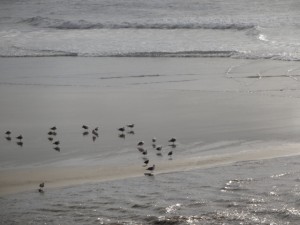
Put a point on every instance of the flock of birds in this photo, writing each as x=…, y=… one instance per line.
x=52, y=133
x=140, y=147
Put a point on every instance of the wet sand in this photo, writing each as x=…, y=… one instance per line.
x=220, y=110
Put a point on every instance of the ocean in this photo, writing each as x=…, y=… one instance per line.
x=222, y=77
x=170, y=28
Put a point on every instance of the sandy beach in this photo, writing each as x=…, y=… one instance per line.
x=220, y=110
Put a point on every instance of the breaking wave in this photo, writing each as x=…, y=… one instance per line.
x=180, y=54
x=45, y=22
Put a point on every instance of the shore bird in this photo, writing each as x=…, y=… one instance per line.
x=130, y=125
x=140, y=143
x=153, y=140
x=122, y=129
x=94, y=132
x=53, y=128
x=85, y=127
x=151, y=168
x=145, y=152
x=57, y=149
x=158, y=148
x=172, y=140
x=146, y=162
x=20, y=137
x=20, y=143
x=42, y=184
x=170, y=153
x=8, y=132
x=56, y=142
x=8, y=138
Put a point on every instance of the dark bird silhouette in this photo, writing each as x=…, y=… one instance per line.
x=170, y=153
x=85, y=133
x=131, y=132
x=20, y=143
x=56, y=142
x=130, y=125
x=94, y=138
x=57, y=149
x=8, y=138
x=41, y=190
x=145, y=152
x=141, y=143
x=172, y=140
x=50, y=133
x=94, y=132
x=8, y=132
x=140, y=149
x=151, y=168
x=96, y=129
x=20, y=137
x=122, y=136
x=53, y=128
x=146, y=162
x=154, y=140
x=42, y=185
x=122, y=129
x=50, y=138
x=85, y=127
x=158, y=148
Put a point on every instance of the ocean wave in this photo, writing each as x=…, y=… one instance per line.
x=154, y=54
x=84, y=25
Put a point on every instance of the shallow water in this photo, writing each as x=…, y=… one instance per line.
x=248, y=192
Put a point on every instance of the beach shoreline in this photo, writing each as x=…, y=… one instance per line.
x=213, y=111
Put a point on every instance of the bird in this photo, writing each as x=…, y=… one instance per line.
x=57, y=149
x=8, y=132
x=8, y=138
x=145, y=152
x=146, y=162
x=170, y=153
x=158, y=148
x=140, y=143
x=20, y=143
x=42, y=184
x=94, y=138
x=20, y=137
x=172, y=140
x=94, y=132
x=151, y=168
x=122, y=129
x=130, y=125
x=130, y=132
x=96, y=129
x=122, y=135
x=85, y=133
x=50, y=133
x=50, y=138
x=140, y=149
x=85, y=127
x=56, y=142
x=154, y=140
x=53, y=128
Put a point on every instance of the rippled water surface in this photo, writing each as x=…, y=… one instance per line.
x=249, y=192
